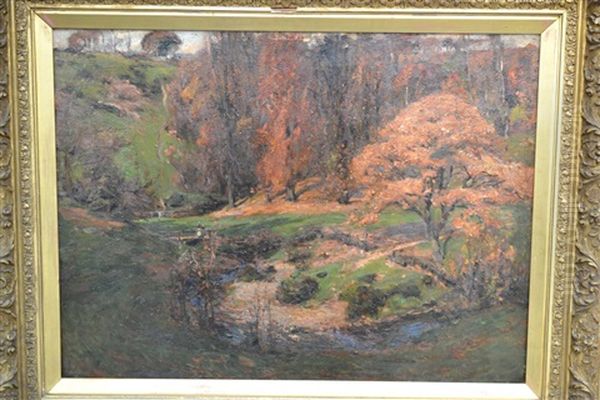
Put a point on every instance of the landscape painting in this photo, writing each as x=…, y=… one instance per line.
x=280, y=205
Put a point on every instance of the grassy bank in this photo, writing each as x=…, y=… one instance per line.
x=281, y=224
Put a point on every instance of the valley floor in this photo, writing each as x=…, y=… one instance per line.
x=117, y=308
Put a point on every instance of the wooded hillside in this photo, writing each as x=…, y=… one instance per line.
x=257, y=112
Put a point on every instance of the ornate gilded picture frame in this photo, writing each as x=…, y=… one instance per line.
x=51, y=213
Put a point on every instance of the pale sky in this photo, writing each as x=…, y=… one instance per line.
x=192, y=41
x=195, y=40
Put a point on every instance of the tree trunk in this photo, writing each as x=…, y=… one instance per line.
x=438, y=251
x=344, y=197
x=290, y=192
x=502, y=119
x=230, y=194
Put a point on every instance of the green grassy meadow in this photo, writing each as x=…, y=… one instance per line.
x=285, y=225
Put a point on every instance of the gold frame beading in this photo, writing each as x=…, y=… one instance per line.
x=570, y=352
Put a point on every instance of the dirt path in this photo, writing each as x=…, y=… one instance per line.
x=84, y=218
x=384, y=252
x=246, y=299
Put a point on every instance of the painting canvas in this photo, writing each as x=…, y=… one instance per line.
x=279, y=205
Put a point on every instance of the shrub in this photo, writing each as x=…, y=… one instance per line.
x=292, y=291
x=363, y=301
x=300, y=258
x=369, y=278
x=247, y=249
x=410, y=290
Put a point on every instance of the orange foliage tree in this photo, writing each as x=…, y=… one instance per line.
x=287, y=139
x=442, y=160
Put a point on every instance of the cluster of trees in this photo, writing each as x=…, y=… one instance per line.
x=270, y=110
x=154, y=43
x=265, y=111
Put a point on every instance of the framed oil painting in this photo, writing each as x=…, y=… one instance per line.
x=276, y=200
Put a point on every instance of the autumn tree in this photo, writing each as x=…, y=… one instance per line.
x=212, y=103
x=369, y=89
x=421, y=66
x=161, y=43
x=521, y=66
x=458, y=80
x=488, y=265
x=483, y=69
x=287, y=141
x=84, y=40
x=442, y=160
x=500, y=121
x=494, y=100
x=334, y=69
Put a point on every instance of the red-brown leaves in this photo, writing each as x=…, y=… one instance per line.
x=285, y=138
x=440, y=152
